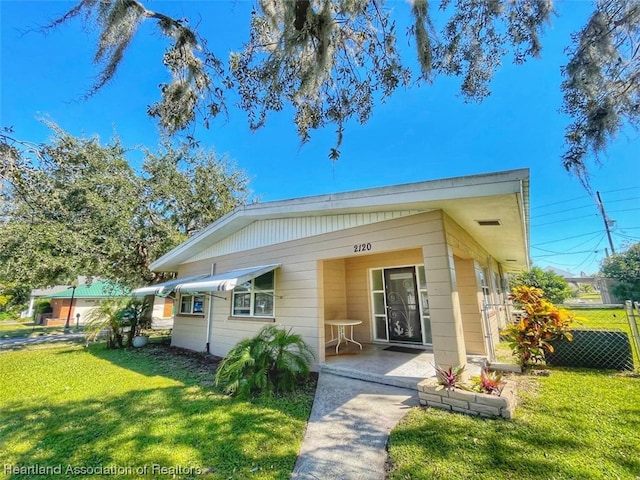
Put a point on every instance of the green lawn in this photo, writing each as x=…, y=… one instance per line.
x=605, y=318
x=572, y=425
x=143, y=410
x=13, y=330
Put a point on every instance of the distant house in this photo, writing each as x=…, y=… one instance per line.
x=415, y=264
x=85, y=297
x=38, y=293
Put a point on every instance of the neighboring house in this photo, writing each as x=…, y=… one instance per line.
x=76, y=303
x=37, y=293
x=416, y=263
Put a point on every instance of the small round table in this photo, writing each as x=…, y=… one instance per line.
x=342, y=332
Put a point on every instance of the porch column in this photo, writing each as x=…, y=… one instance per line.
x=444, y=305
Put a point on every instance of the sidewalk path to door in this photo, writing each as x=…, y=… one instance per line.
x=348, y=429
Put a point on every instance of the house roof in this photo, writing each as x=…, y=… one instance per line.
x=469, y=200
x=99, y=289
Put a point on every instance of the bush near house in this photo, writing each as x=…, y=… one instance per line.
x=272, y=361
x=119, y=319
x=542, y=323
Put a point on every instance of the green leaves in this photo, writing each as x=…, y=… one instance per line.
x=555, y=288
x=601, y=87
x=540, y=324
x=625, y=268
x=76, y=207
x=270, y=362
x=451, y=377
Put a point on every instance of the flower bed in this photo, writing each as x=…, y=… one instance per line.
x=434, y=395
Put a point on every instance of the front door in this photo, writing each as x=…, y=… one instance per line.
x=403, y=309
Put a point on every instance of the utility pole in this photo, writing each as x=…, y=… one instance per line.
x=606, y=223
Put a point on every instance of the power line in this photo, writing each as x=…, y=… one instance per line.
x=561, y=211
x=586, y=196
x=563, y=220
x=623, y=200
x=625, y=210
x=567, y=253
x=567, y=238
x=622, y=189
x=598, y=235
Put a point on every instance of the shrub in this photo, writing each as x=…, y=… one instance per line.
x=120, y=319
x=42, y=306
x=555, y=288
x=136, y=317
x=272, y=361
x=541, y=324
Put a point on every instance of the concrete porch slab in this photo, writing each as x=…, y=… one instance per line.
x=378, y=365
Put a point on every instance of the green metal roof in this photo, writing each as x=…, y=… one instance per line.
x=100, y=289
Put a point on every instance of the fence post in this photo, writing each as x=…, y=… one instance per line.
x=491, y=348
x=631, y=317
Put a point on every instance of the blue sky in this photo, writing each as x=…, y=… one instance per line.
x=419, y=134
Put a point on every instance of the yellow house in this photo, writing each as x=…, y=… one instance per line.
x=416, y=264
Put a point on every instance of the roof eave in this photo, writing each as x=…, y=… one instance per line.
x=383, y=198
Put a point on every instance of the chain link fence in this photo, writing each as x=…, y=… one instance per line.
x=604, y=336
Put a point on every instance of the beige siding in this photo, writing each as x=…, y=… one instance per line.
x=264, y=233
x=335, y=289
x=300, y=284
x=189, y=332
x=325, y=277
x=466, y=247
x=470, y=294
x=462, y=243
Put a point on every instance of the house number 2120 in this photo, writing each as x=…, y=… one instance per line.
x=361, y=247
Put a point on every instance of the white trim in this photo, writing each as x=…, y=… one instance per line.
x=225, y=281
x=164, y=287
x=421, y=196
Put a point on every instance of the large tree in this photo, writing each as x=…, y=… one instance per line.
x=332, y=59
x=625, y=268
x=77, y=207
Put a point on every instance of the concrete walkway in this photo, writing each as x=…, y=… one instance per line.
x=348, y=428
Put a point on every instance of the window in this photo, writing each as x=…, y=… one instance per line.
x=255, y=297
x=486, y=293
x=192, y=304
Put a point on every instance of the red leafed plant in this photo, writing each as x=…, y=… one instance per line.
x=542, y=322
x=451, y=377
x=490, y=382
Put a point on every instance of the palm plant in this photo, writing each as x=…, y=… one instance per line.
x=134, y=316
x=120, y=319
x=270, y=362
x=107, y=317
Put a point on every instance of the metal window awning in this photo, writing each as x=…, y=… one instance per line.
x=165, y=288
x=224, y=281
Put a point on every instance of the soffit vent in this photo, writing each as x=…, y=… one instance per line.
x=489, y=223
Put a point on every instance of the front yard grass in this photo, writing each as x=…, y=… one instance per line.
x=144, y=410
x=574, y=424
x=15, y=329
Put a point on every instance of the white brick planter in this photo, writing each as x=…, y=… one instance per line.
x=472, y=403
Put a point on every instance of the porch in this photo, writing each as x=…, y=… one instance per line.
x=398, y=366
